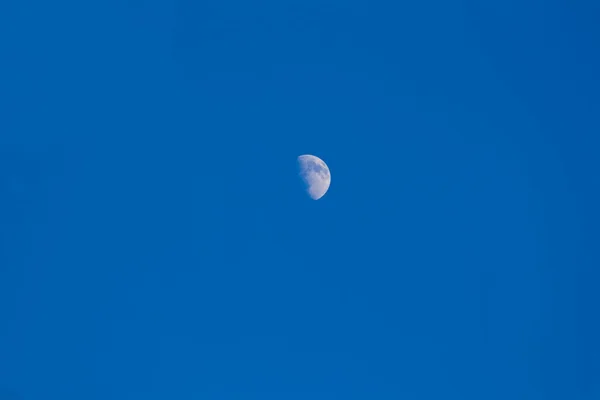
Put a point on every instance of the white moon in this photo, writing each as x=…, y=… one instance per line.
x=315, y=175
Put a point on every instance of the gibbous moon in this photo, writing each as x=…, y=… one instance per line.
x=315, y=175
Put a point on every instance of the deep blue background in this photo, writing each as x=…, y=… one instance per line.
x=155, y=242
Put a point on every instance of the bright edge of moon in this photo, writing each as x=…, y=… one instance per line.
x=315, y=175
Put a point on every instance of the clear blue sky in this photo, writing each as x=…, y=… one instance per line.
x=155, y=241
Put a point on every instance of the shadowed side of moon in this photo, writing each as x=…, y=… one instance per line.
x=315, y=175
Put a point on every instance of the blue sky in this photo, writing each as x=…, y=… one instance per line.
x=155, y=241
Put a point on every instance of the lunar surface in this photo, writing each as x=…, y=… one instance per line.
x=315, y=175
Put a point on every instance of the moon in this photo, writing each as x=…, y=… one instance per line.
x=315, y=175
